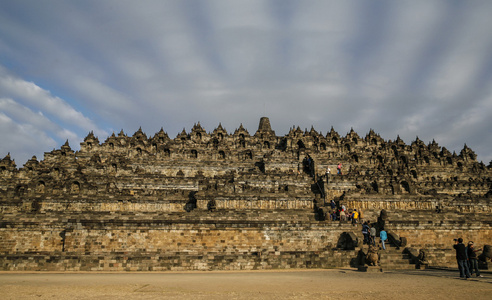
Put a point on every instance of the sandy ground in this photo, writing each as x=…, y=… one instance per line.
x=294, y=284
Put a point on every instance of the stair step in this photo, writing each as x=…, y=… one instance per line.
x=398, y=267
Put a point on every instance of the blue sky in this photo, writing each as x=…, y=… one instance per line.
x=407, y=68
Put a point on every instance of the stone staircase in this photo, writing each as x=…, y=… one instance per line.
x=393, y=258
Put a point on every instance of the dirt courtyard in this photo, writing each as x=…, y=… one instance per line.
x=293, y=284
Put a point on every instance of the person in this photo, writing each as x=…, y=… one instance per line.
x=343, y=217
x=344, y=208
x=462, y=258
x=339, y=169
x=372, y=233
x=365, y=232
x=333, y=204
x=355, y=216
x=383, y=236
x=472, y=259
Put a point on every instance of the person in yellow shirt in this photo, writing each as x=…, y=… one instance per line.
x=355, y=217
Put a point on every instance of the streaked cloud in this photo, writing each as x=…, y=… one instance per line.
x=34, y=122
x=408, y=68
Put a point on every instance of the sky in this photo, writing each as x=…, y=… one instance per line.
x=402, y=68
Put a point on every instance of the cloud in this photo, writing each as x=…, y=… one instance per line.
x=411, y=68
x=23, y=140
x=41, y=99
x=29, y=133
x=32, y=118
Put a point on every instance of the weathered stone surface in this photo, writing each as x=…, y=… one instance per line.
x=223, y=201
x=372, y=256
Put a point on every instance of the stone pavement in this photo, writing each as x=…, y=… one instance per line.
x=446, y=273
x=293, y=284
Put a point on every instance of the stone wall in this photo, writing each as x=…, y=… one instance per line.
x=220, y=240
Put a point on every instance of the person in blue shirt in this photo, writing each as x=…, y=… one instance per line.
x=333, y=204
x=383, y=236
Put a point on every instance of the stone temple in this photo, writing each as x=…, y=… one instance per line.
x=221, y=201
